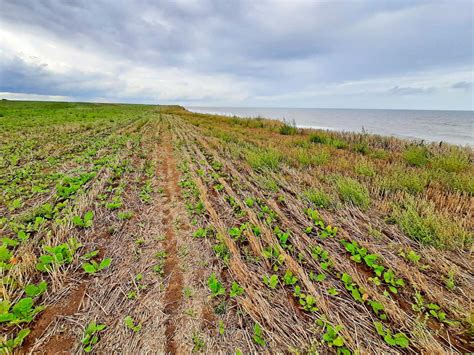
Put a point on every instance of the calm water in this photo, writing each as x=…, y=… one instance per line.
x=456, y=127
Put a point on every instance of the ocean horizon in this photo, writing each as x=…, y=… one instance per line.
x=454, y=127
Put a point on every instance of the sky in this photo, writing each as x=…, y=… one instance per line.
x=289, y=53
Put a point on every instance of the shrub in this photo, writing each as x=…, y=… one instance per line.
x=351, y=191
x=416, y=156
x=318, y=197
x=288, y=129
x=453, y=161
x=325, y=138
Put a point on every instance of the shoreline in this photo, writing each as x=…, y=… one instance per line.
x=405, y=137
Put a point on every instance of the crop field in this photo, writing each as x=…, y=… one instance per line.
x=151, y=229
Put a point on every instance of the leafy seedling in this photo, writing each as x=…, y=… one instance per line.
x=91, y=335
x=10, y=344
x=258, y=335
x=94, y=267
x=22, y=312
x=398, y=339
x=215, y=286
x=271, y=281
x=236, y=290
x=130, y=323
x=84, y=222
x=32, y=290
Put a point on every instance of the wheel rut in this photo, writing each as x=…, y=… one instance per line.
x=172, y=269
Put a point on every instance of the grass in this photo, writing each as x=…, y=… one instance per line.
x=264, y=159
x=416, y=156
x=318, y=198
x=353, y=192
x=422, y=223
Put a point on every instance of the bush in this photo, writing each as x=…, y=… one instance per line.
x=351, y=191
x=453, y=161
x=318, y=197
x=416, y=156
x=325, y=138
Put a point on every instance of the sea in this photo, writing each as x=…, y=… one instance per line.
x=455, y=127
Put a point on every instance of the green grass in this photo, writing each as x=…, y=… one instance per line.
x=453, y=161
x=353, y=192
x=365, y=168
x=288, y=129
x=318, y=197
x=420, y=221
x=416, y=156
x=263, y=159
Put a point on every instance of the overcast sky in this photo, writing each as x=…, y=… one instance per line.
x=361, y=54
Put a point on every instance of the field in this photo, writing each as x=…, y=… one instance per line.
x=151, y=229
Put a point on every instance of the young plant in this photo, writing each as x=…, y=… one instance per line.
x=236, y=290
x=91, y=335
x=130, y=323
x=271, y=281
x=94, y=267
x=289, y=279
x=258, y=335
x=23, y=311
x=215, y=286
x=85, y=222
x=398, y=339
x=7, y=346
x=58, y=255
x=32, y=290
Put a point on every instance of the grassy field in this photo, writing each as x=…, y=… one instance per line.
x=133, y=228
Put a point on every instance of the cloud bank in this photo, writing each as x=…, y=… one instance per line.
x=380, y=54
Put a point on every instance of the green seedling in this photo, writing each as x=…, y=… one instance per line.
x=283, y=238
x=85, y=222
x=236, y=290
x=352, y=287
x=221, y=327
x=258, y=335
x=58, y=255
x=130, y=323
x=93, y=267
x=271, y=281
x=91, y=336
x=215, y=286
x=272, y=253
x=23, y=311
x=289, y=279
x=249, y=202
x=237, y=233
x=398, y=339
x=378, y=309
x=124, y=215
x=7, y=346
x=90, y=255
x=32, y=290
x=317, y=277
x=198, y=342
x=200, y=233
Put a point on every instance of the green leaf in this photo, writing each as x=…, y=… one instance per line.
x=339, y=341
x=32, y=290
x=380, y=329
x=5, y=254
x=402, y=340
x=89, y=268
x=104, y=263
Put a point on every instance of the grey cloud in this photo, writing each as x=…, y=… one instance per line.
x=275, y=47
x=464, y=85
x=397, y=90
